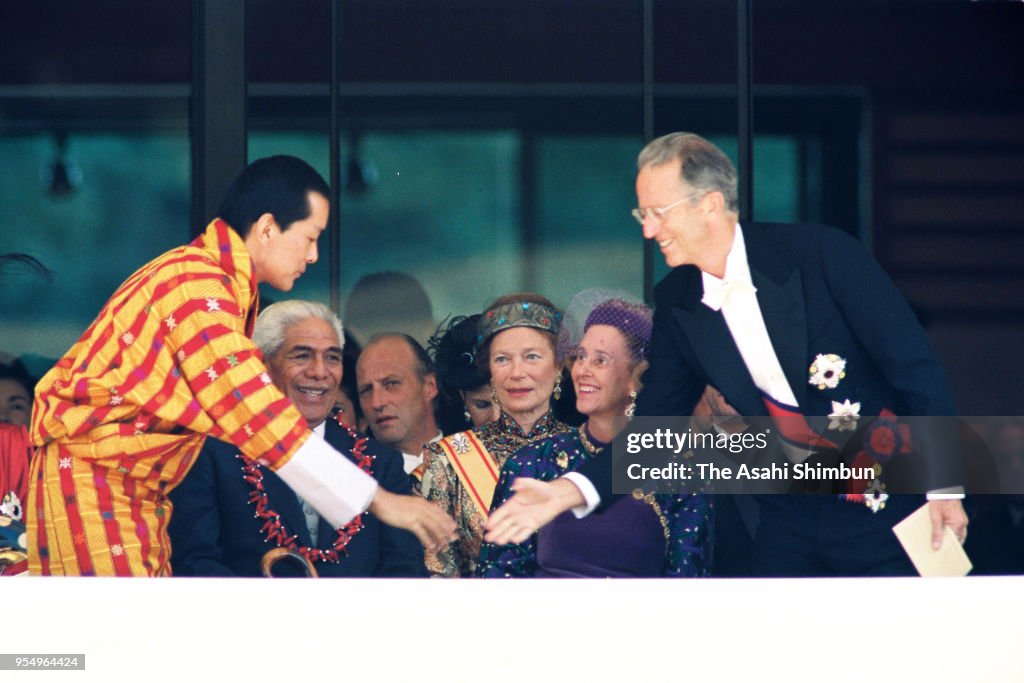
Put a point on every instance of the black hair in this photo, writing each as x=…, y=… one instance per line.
x=19, y=374
x=452, y=348
x=278, y=185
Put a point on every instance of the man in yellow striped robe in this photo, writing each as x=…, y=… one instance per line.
x=119, y=420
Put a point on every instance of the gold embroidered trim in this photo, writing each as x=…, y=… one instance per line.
x=650, y=500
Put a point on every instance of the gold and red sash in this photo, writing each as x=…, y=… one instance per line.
x=474, y=466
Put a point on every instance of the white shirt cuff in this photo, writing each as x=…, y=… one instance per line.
x=948, y=493
x=328, y=481
x=587, y=490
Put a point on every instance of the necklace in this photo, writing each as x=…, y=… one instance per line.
x=276, y=532
x=590, y=447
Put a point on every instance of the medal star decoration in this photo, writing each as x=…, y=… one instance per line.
x=460, y=443
x=844, y=416
x=826, y=371
x=875, y=496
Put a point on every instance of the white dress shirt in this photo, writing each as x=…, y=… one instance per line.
x=736, y=296
x=410, y=461
x=310, y=513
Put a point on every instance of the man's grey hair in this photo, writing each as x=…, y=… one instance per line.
x=273, y=323
x=704, y=166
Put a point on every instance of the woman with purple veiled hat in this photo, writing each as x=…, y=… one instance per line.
x=643, y=535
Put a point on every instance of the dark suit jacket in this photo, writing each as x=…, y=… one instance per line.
x=214, y=531
x=820, y=292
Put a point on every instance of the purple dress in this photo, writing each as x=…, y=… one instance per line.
x=635, y=536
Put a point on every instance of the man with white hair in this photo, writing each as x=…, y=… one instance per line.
x=229, y=512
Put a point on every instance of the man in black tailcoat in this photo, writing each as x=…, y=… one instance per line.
x=793, y=320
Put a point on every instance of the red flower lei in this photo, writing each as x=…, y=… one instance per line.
x=275, y=530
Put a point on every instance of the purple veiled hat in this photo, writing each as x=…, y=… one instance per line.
x=634, y=320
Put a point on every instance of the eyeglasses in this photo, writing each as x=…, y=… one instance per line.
x=659, y=212
x=598, y=361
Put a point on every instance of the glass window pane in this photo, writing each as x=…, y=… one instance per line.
x=128, y=202
x=586, y=235
x=441, y=206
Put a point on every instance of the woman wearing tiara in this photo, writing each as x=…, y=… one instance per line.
x=517, y=339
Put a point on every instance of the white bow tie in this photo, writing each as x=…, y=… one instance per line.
x=715, y=297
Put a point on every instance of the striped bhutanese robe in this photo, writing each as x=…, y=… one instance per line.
x=120, y=418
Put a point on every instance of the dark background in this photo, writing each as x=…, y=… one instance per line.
x=940, y=129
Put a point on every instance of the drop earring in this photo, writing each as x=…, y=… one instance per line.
x=465, y=413
x=557, y=393
x=631, y=408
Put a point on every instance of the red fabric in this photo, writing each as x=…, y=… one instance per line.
x=793, y=426
x=15, y=453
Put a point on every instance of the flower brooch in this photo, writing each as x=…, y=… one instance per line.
x=826, y=371
x=844, y=416
x=562, y=460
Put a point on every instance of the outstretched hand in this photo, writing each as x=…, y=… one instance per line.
x=533, y=504
x=434, y=529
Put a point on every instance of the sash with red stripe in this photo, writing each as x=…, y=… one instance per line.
x=474, y=466
x=794, y=428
